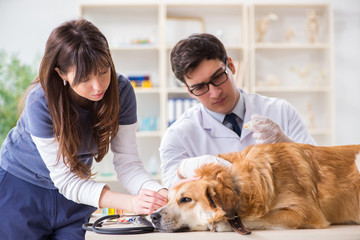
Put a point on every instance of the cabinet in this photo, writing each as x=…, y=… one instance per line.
x=291, y=52
x=277, y=58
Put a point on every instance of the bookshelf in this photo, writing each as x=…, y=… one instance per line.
x=291, y=52
x=285, y=63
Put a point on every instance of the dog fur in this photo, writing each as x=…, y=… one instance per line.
x=269, y=186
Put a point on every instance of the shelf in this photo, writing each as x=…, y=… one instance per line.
x=228, y=47
x=135, y=47
x=107, y=5
x=234, y=47
x=293, y=89
x=147, y=90
x=143, y=134
x=286, y=46
x=177, y=90
x=290, y=5
x=185, y=19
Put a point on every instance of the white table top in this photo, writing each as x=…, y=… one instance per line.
x=336, y=232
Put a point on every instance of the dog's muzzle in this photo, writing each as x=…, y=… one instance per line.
x=156, y=219
x=166, y=226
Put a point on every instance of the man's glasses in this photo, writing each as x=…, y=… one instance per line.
x=203, y=88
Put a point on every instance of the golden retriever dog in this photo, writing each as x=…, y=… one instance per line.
x=269, y=186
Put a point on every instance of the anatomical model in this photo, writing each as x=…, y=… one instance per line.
x=312, y=25
x=263, y=24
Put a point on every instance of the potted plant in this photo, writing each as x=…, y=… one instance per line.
x=15, y=77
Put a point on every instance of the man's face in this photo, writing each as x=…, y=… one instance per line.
x=220, y=99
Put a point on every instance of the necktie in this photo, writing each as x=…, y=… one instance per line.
x=231, y=118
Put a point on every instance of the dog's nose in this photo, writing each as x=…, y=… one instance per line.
x=155, y=217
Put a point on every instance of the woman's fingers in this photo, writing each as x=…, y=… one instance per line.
x=149, y=201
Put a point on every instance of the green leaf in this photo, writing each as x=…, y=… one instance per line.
x=15, y=77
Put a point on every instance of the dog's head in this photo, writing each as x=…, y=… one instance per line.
x=203, y=204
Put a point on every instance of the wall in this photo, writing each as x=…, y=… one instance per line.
x=25, y=26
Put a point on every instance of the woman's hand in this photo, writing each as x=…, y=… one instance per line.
x=164, y=192
x=147, y=201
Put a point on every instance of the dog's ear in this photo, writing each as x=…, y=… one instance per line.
x=220, y=192
x=210, y=170
x=219, y=213
x=222, y=196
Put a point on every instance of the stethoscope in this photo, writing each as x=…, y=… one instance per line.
x=140, y=219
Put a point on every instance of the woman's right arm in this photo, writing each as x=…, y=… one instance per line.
x=87, y=191
x=145, y=202
x=132, y=174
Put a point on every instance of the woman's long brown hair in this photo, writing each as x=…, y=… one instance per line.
x=78, y=44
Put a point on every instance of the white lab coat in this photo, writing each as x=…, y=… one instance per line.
x=197, y=133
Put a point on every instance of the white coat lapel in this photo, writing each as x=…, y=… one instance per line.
x=214, y=127
x=250, y=109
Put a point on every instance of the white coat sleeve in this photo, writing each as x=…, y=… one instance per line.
x=128, y=166
x=85, y=191
x=171, y=155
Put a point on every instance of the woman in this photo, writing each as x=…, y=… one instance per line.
x=74, y=109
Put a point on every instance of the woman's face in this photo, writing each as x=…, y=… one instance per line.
x=90, y=89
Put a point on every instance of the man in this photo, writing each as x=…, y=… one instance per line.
x=216, y=125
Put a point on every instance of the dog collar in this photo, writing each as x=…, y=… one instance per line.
x=237, y=225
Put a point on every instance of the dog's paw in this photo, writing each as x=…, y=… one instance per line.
x=222, y=226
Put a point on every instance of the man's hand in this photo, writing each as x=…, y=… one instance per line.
x=266, y=131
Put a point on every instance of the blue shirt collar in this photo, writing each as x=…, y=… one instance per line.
x=239, y=110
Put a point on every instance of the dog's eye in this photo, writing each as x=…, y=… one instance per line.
x=185, y=200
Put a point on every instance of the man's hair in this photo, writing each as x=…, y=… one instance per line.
x=188, y=53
